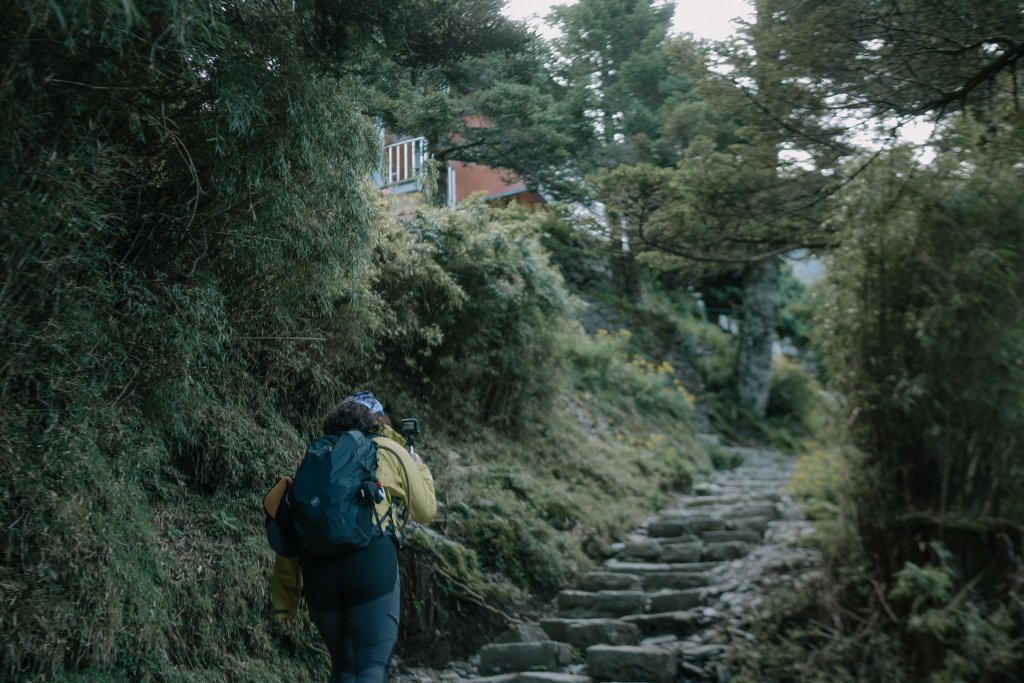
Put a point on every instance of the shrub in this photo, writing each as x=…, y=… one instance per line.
x=475, y=314
x=923, y=335
x=604, y=363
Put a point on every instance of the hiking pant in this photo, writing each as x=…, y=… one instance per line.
x=354, y=603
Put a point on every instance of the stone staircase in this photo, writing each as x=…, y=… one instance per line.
x=677, y=592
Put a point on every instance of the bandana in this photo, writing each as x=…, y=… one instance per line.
x=365, y=398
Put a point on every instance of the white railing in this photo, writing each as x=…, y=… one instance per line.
x=403, y=161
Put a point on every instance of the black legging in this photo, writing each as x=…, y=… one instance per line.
x=354, y=603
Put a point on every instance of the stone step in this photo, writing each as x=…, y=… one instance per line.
x=684, y=518
x=521, y=633
x=693, y=653
x=744, y=535
x=681, y=552
x=769, y=510
x=645, y=568
x=631, y=663
x=531, y=677
x=759, y=524
x=610, y=581
x=550, y=677
x=582, y=633
x=678, y=580
x=547, y=655
x=648, y=549
x=726, y=550
x=572, y=603
x=682, y=623
x=688, y=522
x=500, y=678
x=729, y=499
x=674, y=600
x=731, y=489
x=674, y=525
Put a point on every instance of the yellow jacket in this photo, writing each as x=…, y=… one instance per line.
x=402, y=478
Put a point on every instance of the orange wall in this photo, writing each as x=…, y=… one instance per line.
x=470, y=178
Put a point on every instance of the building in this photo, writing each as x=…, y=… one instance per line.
x=404, y=167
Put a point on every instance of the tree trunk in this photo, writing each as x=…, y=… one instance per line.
x=624, y=268
x=757, y=331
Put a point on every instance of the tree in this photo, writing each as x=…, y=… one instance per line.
x=610, y=49
x=923, y=337
x=741, y=196
x=187, y=210
x=924, y=314
x=881, y=64
x=609, y=55
x=498, y=107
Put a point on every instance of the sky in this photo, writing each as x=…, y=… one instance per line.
x=710, y=19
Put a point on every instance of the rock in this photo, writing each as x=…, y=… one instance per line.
x=522, y=633
x=699, y=652
x=582, y=633
x=546, y=655
x=667, y=527
x=645, y=568
x=601, y=581
x=640, y=550
x=759, y=524
x=618, y=566
x=692, y=672
x=631, y=663
x=681, y=623
x=769, y=510
x=557, y=628
x=745, y=535
x=681, y=552
x=674, y=600
x=699, y=525
x=600, y=604
x=677, y=580
x=659, y=640
x=728, y=550
x=548, y=677
x=503, y=678
x=706, y=501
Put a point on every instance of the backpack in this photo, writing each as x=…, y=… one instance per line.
x=334, y=496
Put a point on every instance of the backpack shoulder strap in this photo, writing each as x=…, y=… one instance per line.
x=384, y=443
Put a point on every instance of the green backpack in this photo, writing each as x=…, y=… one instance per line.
x=333, y=500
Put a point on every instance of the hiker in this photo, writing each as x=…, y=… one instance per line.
x=353, y=596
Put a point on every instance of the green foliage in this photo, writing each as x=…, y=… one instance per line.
x=925, y=342
x=192, y=275
x=475, y=313
x=821, y=475
x=795, y=304
x=450, y=605
x=795, y=401
x=714, y=354
x=608, y=51
x=890, y=59
x=984, y=641
x=603, y=364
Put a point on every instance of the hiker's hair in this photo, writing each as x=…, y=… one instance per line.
x=349, y=415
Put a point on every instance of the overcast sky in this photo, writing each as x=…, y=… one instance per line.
x=703, y=18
